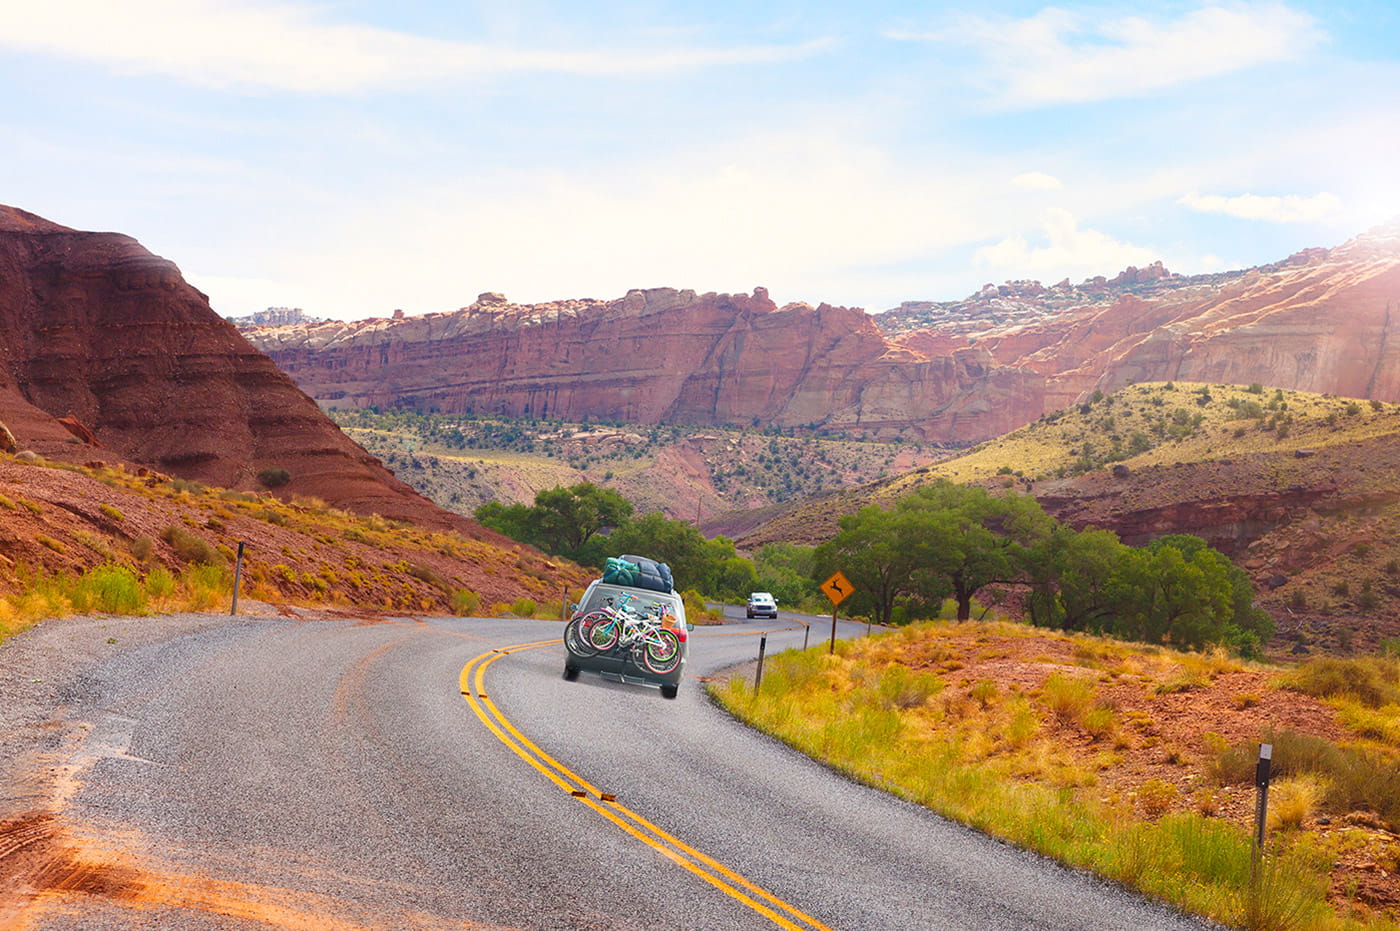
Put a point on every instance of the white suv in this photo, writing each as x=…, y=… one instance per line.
x=761, y=604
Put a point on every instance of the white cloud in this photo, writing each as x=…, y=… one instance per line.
x=1037, y=181
x=235, y=44
x=836, y=221
x=1068, y=252
x=1290, y=208
x=1057, y=56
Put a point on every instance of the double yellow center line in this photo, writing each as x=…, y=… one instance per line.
x=716, y=874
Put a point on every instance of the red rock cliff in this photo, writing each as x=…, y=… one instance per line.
x=95, y=327
x=657, y=356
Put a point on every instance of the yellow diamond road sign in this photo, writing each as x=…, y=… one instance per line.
x=837, y=588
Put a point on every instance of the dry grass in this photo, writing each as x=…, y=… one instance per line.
x=1085, y=750
x=1054, y=444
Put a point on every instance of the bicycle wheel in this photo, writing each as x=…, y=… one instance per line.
x=603, y=633
x=576, y=636
x=662, y=653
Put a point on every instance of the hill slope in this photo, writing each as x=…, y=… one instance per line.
x=1301, y=490
x=109, y=338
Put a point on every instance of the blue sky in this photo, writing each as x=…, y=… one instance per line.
x=355, y=157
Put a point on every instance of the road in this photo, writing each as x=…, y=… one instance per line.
x=203, y=772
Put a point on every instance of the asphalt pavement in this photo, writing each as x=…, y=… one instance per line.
x=220, y=772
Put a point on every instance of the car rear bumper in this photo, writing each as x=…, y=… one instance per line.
x=614, y=666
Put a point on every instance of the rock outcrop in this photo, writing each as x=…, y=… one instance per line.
x=658, y=356
x=1322, y=320
x=103, y=344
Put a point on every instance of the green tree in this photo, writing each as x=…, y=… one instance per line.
x=1179, y=591
x=1071, y=574
x=674, y=542
x=963, y=538
x=563, y=521
x=572, y=516
x=786, y=570
x=514, y=520
x=868, y=551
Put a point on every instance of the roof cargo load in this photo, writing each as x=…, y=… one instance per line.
x=638, y=572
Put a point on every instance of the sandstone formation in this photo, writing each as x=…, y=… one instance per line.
x=658, y=356
x=106, y=347
x=1320, y=320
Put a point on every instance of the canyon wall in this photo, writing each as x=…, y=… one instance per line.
x=1323, y=320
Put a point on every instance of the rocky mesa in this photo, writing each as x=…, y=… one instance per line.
x=1320, y=321
x=658, y=356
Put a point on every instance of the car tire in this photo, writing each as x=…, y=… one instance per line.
x=669, y=691
x=570, y=673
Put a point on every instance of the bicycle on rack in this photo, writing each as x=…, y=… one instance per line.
x=619, y=628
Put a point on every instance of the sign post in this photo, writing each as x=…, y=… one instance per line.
x=1261, y=808
x=237, y=577
x=838, y=589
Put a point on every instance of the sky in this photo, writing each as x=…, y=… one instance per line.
x=354, y=157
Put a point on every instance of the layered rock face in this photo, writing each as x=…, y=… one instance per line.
x=96, y=330
x=658, y=356
x=1324, y=320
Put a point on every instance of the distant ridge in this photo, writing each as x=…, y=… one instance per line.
x=1319, y=321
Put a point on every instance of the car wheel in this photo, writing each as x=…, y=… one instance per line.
x=570, y=673
x=669, y=691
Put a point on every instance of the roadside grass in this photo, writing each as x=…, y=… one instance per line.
x=110, y=589
x=171, y=547
x=881, y=711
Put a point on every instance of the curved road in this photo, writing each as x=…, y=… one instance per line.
x=208, y=772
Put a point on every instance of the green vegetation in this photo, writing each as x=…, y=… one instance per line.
x=563, y=521
x=274, y=477
x=1160, y=424
x=946, y=540
x=110, y=589
x=588, y=524
x=462, y=462
x=900, y=712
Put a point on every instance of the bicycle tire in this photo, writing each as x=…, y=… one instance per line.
x=575, y=636
x=603, y=632
x=662, y=652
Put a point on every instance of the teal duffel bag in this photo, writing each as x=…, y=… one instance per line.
x=620, y=572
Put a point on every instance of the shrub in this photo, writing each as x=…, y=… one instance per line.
x=465, y=602
x=197, y=489
x=44, y=539
x=113, y=512
x=142, y=547
x=1156, y=797
x=523, y=607
x=1099, y=722
x=1293, y=800
x=1355, y=780
x=159, y=582
x=900, y=687
x=190, y=548
x=1067, y=698
x=983, y=691
x=273, y=477
x=109, y=589
x=1373, y=681
x=426, y=574
x=206, y=585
